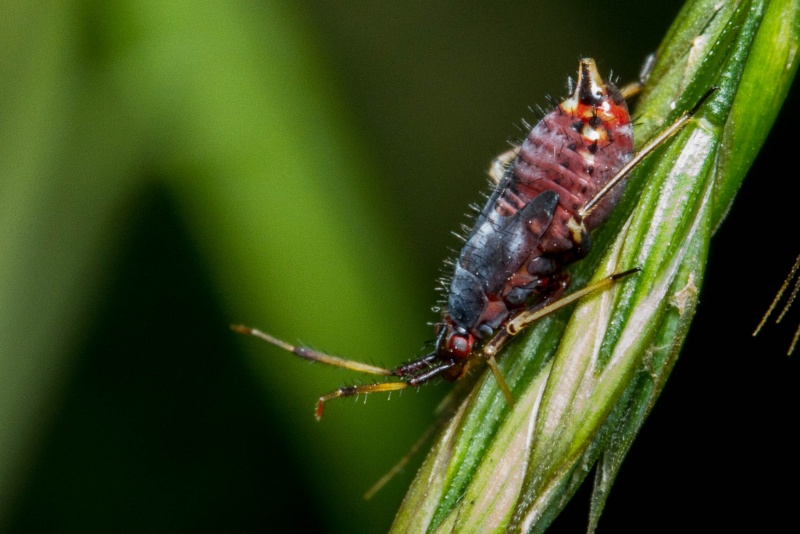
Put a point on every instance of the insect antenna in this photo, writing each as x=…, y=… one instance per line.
x=313, y=355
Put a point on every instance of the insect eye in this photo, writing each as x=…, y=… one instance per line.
x=460, y=345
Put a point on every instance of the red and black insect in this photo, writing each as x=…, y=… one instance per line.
x=562, y=182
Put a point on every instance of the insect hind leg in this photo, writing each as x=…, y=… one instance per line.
x=634, y=88
x=552, y=304
x=645, y=151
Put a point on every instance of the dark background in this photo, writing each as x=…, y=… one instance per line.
x=129, y=405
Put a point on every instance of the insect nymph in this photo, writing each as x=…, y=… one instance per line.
x=562, y=182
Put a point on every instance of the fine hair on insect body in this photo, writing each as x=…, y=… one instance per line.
x=562, y=182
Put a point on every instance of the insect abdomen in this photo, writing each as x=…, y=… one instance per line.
x=574, y=152
x=529, y=228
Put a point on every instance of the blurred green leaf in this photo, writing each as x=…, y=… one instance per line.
x=66, y=171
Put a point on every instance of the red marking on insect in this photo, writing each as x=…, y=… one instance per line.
x=561, y=183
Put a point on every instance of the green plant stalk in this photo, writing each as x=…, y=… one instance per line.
x=585, y=382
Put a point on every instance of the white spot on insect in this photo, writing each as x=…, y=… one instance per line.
x=597, y=91
x=590, y=133
x=588, y=157
x=570, y=104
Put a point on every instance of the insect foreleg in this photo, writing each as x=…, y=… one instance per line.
x=350, y=391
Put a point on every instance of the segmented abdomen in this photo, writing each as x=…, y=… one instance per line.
x=530, y=227
x=573, y=157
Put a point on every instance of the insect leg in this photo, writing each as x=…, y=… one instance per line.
x=313, y=355
x=557, y=285
x=533, y=314
x=350, y=391
x=646, y=150
x=501, y=382
x=398, y=467
x=412, y=368
x=525, y=318
x=634, y=88
x=553, y=302
x=446, y=410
